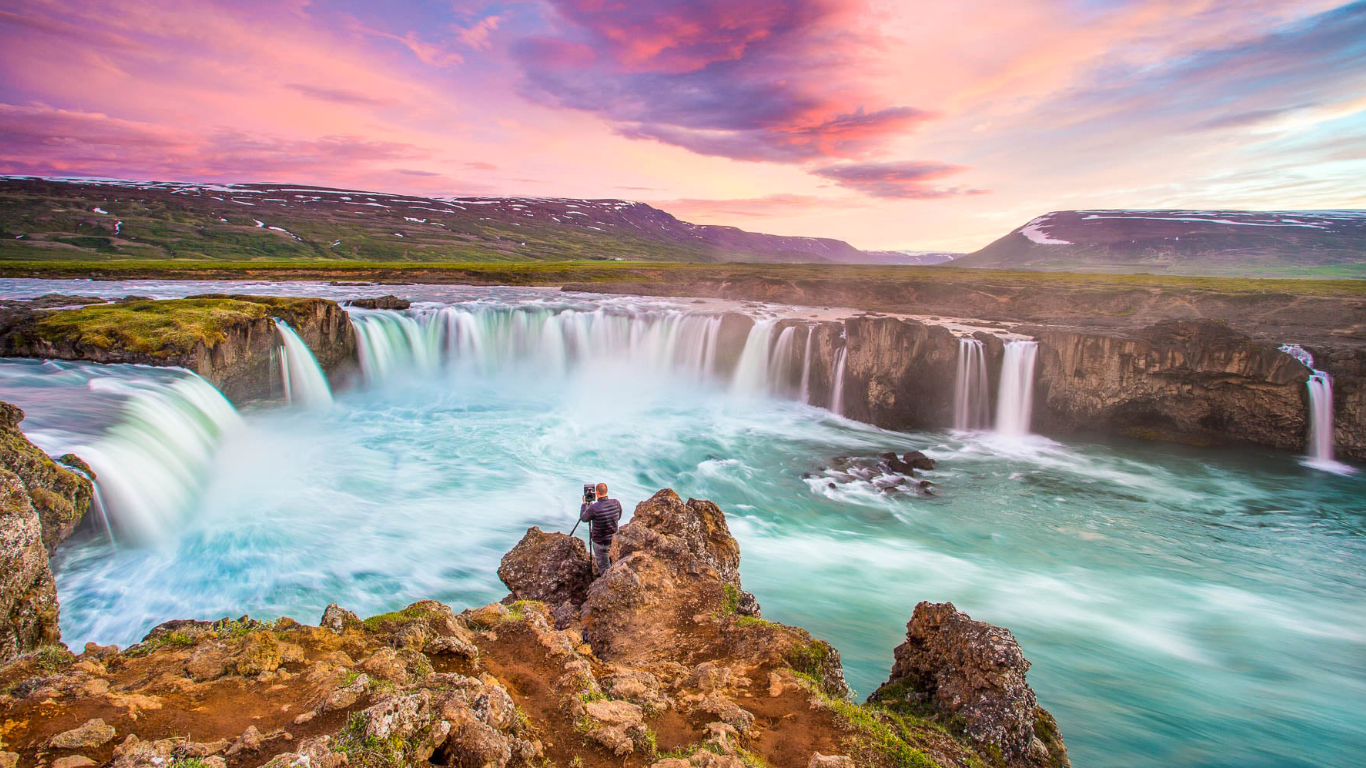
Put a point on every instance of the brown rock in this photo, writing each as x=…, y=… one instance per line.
x=554, y=568
x=830, y=761
x=75, y=761
x=93, y=733
x=339, y=619
x=969, y=670
x=388, y=301
x=260, y=652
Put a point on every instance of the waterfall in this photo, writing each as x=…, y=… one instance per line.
x=751, y=373
x=1320, y=448
x=303, y=379
x=1015, y=397
x=150, y=465
x=780, y=362
x=837, y=383
x=970, y=409
x=806, y=365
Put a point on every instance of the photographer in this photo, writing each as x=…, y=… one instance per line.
x=603, y=514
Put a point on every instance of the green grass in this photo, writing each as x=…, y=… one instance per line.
x=160, y=329
x=367, y=751
x=395, y=617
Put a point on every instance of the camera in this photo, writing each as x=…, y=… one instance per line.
x=590, y=493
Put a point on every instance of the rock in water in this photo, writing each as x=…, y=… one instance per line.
x=918, y=460
x=554, y=568
x=388, y=301
x=975, y=672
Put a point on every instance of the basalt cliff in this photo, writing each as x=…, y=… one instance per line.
x=661, y=661
x=1190, y=380
x=230, y=340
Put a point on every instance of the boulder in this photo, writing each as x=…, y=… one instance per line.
x=388, y=301
x=93, y=733
x=918, y=460
x=973, y=672
x=554, y=568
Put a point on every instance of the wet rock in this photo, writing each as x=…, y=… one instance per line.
x=388, y=301
x=93, y=733
x=554, y=568
x=918, y=460
x=971, y=671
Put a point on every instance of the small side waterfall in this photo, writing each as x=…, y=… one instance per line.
x=151, y=464
x=970, y=408
x=303, y=378
x=1015, y=398
x=806, y=365
x=1320, y=448
x=837, y=383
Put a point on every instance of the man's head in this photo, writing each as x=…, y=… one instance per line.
x=602, y=490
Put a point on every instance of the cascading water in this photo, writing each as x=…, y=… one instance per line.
x=780, y=362
x=970, y=409
x=303, y=378
x=1320, y=384
x=1015, y=397
x=837, y=383
x=150, y=466
x=751, y=373
x=805, y=394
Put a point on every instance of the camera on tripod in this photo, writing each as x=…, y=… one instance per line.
x=590, y=493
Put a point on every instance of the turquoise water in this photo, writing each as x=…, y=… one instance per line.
x=1180, y=606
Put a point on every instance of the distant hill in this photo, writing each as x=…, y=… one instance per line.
x=923, y=258
x=1233, y=243
x=81, y=218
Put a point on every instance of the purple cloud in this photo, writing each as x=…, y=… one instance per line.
x=907, y=180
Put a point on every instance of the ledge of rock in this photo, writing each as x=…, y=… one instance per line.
x=663, y=663
x=230, y=340
x=388, y=301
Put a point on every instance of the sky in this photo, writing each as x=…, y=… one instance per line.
x=892, y=124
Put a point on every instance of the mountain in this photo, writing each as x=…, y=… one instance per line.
x=84, y=218
x=1328, y=243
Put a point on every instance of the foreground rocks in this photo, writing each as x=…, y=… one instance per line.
x=41, y=503
x=661, y=662
x=230, y=340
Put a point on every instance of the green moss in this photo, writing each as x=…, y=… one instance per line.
x=878, y=737
x=755, y=621
x=809, y=658
x=731, y=602
x=51, y=658
x=367, y=751
x=161, y=329
x=395, y=617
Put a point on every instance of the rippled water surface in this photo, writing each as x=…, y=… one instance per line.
x=1180, y=606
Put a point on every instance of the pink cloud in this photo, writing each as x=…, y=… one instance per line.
x=477, y=36
x=898, y=180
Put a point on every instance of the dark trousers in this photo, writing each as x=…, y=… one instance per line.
x=600, y=556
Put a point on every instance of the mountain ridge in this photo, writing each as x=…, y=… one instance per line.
x=73, y=217
x=1317, y=243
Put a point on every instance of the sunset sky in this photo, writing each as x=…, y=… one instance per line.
x=887, y=123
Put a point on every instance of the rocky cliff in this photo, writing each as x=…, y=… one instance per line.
x=662, y=661
x=231, y=341
x=41, y=503
x=1192, y=381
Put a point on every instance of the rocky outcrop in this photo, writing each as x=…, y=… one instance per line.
x=898, y=373
x=230, y=340
x=41, y=503
x=387, y=301
x=1177, y=380
x=28, y=595
x=661, y=667
x=60, y=496
x=552, y=568
x=973, y=672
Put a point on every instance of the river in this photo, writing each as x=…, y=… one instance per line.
x=1181, y=606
